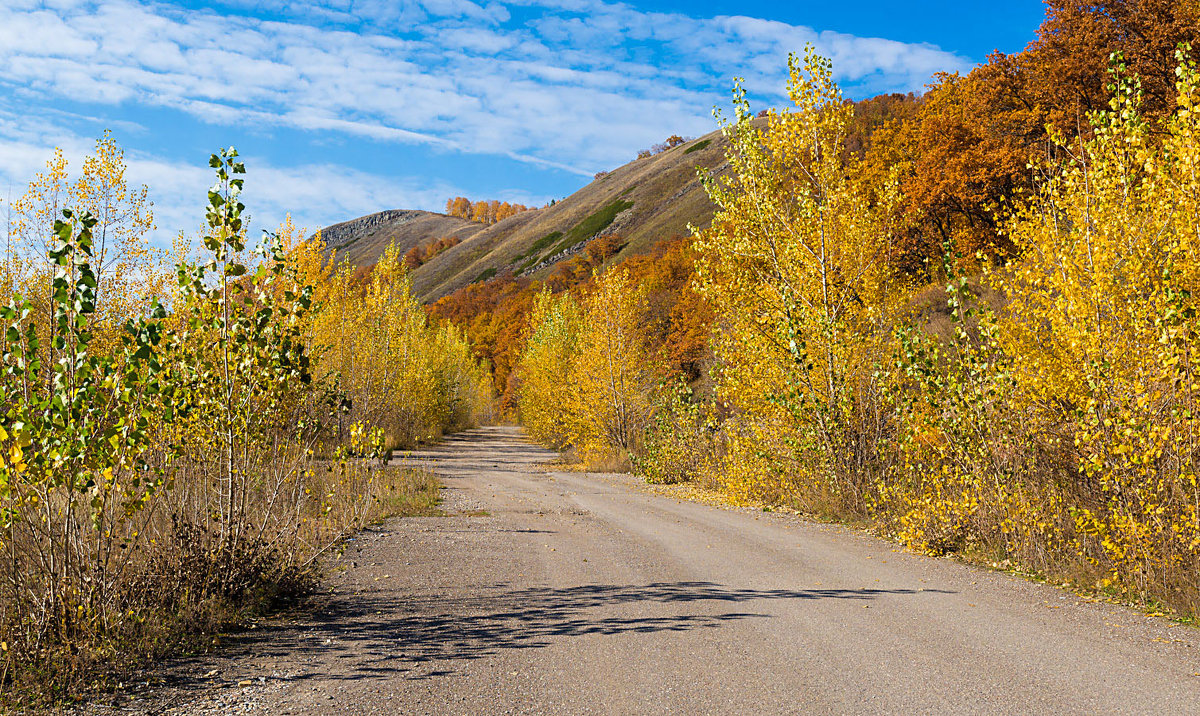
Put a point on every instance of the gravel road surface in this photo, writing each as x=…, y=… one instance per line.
x=545, y=592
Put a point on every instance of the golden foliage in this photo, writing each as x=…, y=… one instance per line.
x=548, y=395
x=483, y=211
x=399, y=373
x=1101, y=327
x=796, y=268
x=587, y=373
x=130, y=273
x=614, y=370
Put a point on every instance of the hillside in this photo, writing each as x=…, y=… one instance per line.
x=642, y=202
x=361, y=241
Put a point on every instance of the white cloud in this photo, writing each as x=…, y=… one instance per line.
x=315, y=195
x=579, y=87
x=582, y=86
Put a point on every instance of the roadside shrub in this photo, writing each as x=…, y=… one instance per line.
x=681, y=442
x=1101, y=327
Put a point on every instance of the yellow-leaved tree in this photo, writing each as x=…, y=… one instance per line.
x=548, y=396
x=129, y=272
x=1102, y=332
x=615, y=370
x=796, y=268
x=398, y=373
x=31, y=226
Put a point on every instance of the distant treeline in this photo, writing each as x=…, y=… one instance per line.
x=483, y=211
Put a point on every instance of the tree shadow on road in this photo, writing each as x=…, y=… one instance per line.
x=366, y=636
x=460, y=453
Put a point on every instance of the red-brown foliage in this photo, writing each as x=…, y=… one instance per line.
x=419, y=255
x=494, y=314
x=967, y=143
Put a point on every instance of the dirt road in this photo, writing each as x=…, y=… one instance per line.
x=563, y=593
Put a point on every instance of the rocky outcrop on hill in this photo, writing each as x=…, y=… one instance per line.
x=361, y=241
x=339, y=235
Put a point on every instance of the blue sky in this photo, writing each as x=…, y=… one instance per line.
x=344, y=107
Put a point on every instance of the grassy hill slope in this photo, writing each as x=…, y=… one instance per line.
x=643, y=202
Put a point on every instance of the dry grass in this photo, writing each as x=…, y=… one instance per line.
x=408, y=493
x=609, y=461
x=664, y=191
x=184, y=585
